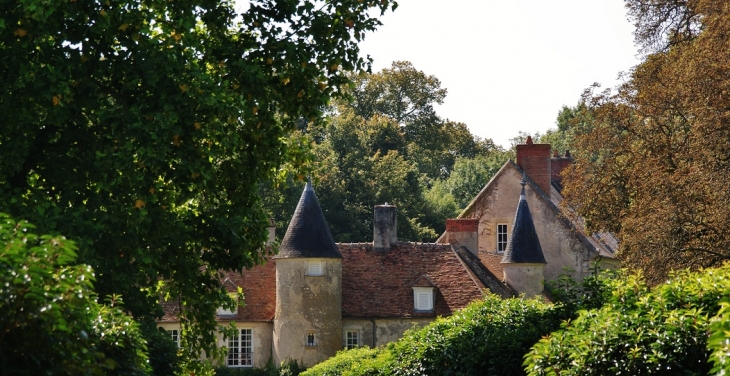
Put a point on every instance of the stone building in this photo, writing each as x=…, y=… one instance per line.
x=564, y=244
x=317, y=296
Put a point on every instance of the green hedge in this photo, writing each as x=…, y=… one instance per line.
x=640, y=331
x=489, y=337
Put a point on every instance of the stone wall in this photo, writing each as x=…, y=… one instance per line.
x=307, y=305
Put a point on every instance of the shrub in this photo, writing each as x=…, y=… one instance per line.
x=355, y=362
x=489, y=337
x=50, y=321
x=638, y=331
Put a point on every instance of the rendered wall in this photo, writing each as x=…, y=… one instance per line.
x=262, y=339
x=385, y=330
x=525, y=278
x=561, y=247
x=307, y=304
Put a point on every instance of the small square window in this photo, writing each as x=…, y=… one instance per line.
x=501, y=237
x=352, y=339
x=316, y=268
x=423, y=298
x=310, y=339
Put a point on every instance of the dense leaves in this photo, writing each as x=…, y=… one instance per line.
x=639, y=331
x=488, y=337
x=143, y=128
x=389, y=145
x=50, y=321
x=653, y=163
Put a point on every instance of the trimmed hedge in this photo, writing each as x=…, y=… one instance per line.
x=488, y=337
x=640, y=331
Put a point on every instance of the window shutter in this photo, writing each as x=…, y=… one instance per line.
x=315, y=268
x=424, y=301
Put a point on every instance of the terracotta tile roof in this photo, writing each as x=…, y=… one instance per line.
x=493, y=262
x=380, y=284
x=259, y=291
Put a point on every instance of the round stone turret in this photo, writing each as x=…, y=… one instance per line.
x=308, y=318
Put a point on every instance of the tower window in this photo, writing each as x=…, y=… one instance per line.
x=501, y=237
x=315, y=268
x=310, y=339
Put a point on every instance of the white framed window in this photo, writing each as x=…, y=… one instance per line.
x=352, y=339
x=175, y=335
x=501, y=237
x=240, y=349
x=315, y=268
x=423, y=298
x=310, y=339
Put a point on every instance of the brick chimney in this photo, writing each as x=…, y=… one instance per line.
x=558, y=164
x=534, y=159
x=463, y=232
x=385, y=228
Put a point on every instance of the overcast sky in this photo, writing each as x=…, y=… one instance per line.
x=508, y=65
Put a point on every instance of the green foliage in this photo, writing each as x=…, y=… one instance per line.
x=287, y=368
x=489, y=337
x=50, y=322
x=640, y=331
x=590, y=293
x=161, y=350
x=362, y=361
x=719, y=342
x=144, y=128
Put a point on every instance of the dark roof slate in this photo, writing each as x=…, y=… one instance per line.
x=524, y=246
x=308, y=235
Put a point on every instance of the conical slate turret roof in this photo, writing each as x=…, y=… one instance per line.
x=524, y=246
x=308, y=234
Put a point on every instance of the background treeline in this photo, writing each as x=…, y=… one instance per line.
x=388, y=144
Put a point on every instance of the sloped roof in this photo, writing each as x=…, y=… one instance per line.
x=308, y=235
x=259, y=295
x=604, y=243
x=380, y=284
x=524, y=245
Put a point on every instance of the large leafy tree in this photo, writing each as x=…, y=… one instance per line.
x=653, y=164
x=142, y=128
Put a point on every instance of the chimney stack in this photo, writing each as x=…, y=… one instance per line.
x=385, y=228
x=534, y=160
x=558, y=164
x=463, y=232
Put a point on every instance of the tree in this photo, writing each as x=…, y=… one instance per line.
x=144, y=128
x=50, y=321
x=652, y=165
x=408, y=96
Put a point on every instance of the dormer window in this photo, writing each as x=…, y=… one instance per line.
x=315, y=268
x=226, y=311
x=222, y=311
x=423, y=298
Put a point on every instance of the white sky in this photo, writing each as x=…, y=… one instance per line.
x=508, y=65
